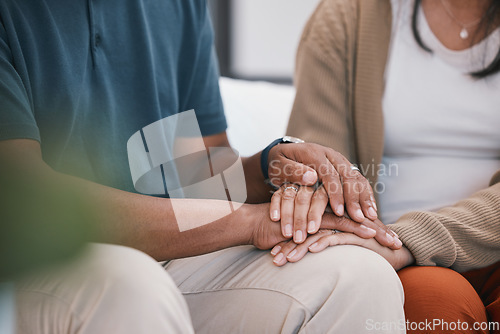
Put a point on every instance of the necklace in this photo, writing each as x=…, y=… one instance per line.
x=464, y=33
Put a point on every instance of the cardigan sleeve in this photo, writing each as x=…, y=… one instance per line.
x=320, y=112
x=463, y=237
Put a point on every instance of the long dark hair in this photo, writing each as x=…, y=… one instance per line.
x=491, y=18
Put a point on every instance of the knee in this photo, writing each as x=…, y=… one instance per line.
x=126, y=282
x=441, y=294
x=356, y=285
x=352, y=274
x=362, y=270
x=109, y=289
x=127, y=272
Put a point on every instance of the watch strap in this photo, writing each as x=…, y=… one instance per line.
x=264, y=157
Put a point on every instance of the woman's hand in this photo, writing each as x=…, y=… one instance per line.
x=300, y=206
x=289, y=251
x=307, y=163
x=265, y=234
x=300, y=210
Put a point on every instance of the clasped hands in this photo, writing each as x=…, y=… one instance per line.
x=312, y=180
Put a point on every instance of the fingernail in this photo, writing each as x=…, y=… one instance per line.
x=288, y=230
x=275, y=250
x=372, y=212
x=309, y=177
x=311, y=227
x=398, y=243
x=397, y=236
x=358, y=213
x=314, y=246
x=340, y=210
x=367, y=228
x=374, y=204
x=278, y=258
x=390, y=237
x=299, y=236
x=292, y=254
x=274, y=214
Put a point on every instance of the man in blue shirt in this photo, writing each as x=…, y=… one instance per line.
x=77, y=80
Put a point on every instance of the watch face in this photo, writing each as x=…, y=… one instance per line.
x=290, y=139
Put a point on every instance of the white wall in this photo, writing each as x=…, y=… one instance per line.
x=265, y=34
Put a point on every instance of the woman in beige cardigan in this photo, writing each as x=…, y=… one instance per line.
x=350, y=74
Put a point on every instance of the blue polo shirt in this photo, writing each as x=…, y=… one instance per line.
x=82, y=76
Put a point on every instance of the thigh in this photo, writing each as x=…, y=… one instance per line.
x=239, y=290
x=486, y=281
x=108, y=289
x=440, y=300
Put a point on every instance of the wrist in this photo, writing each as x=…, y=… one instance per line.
x=406, y=258
x=247, y=220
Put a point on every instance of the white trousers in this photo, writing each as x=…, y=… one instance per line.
x=114, y=289
x=109, y=290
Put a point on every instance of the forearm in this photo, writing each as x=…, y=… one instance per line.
x=143, y=222
x=465, y=236
x=150, y=223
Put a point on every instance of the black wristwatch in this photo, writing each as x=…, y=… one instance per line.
x=264, y=157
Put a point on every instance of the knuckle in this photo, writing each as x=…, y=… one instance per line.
x=332, y=173
x=332, y=188
x=289, y=195
x=276, y=196
x=362, y=181
x=344, y=224
x=312, y=214
x=326, y=240
x=302, y=199
x=352, y=188
x=319, y=195
x=289, y=247
x=366, y=202
x=299, y=222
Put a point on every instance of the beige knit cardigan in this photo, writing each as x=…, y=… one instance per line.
x=340, y=82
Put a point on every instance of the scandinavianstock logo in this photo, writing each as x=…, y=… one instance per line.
x=169, y=157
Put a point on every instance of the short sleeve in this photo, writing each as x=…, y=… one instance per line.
x=202, y=90
x=17, y=118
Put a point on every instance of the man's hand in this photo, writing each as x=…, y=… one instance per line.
x=307, y=163
x=291, y=252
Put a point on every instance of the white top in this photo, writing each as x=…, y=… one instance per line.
x=442, y=127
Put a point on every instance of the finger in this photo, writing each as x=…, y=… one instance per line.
x=340, y=164
x=335, y=240
x=280, y=258
x=345, y=224
x=285, y=170
x=365, y=199
x=397, y=242
x=287, y=208
x=319, y=202
x=354, y=184
x=275, y=206
x=302, y=205
x=301, y=250
x=384, y=235
x=353, y=187
x=276, y=249
x=333, y=187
